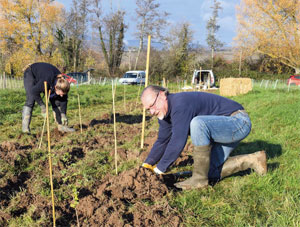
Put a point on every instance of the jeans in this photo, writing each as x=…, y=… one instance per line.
x=223, y=133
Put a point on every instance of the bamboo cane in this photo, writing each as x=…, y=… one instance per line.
x=124, y=99
x=42, y=134
x=79, y=112
x=137, y=97
x=115, y=130
x=49, y=154
x=146, y=84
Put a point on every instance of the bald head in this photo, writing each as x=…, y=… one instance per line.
x=154, y=99
x=155, y=89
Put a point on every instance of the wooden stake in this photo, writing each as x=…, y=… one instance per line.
x=124, y=99
x=138, y=95
x=115, y=130
x=42, y=134
x=79, y=112
x=146, y=84
x=49, y=154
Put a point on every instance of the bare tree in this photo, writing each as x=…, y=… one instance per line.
x=150, y=21
x=179, y=58
x=212, y=28
x=71, y=36
x=111, y=30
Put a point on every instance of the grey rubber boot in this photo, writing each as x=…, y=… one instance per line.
x=199, y=178
x=256, y=161
x=64, y=128
x=26, y=118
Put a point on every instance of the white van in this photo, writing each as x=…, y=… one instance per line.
x=133, y=77
x=203, y=78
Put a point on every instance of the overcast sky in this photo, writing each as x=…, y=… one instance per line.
x=196, y=12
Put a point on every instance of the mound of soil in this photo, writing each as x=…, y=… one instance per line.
x=135, y=197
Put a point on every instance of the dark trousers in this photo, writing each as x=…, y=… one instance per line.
x=29, y=82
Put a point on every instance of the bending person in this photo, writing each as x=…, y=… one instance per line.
x=34, y=77
x=216, y=125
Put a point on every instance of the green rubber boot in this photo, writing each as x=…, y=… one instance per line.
x=199, y=178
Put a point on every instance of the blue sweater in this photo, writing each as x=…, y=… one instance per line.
x=175, y=127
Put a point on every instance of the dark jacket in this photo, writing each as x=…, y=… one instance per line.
x=175, y=127
x=34, y=77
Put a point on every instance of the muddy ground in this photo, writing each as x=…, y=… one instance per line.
x=135, y=197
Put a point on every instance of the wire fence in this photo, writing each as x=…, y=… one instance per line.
x=274, y=84
x=11, y=82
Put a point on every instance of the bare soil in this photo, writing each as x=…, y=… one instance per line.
x=136, y=197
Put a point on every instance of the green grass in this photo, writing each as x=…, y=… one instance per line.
x=249, y=200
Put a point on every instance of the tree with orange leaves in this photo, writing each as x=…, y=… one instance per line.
x=27, y=31
x=271, y=28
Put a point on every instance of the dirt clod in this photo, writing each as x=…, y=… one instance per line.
x=135, y=197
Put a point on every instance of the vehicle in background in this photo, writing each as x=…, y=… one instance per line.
x=133, y=77
x=294, y=80
x=70, y=79
x=81, y=77
x=203, y=78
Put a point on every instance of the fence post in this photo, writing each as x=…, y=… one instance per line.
x=261, y=82
x=266, y=84
x=275, y=85
x=4, y=81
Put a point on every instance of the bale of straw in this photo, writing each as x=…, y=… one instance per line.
x=235, y=86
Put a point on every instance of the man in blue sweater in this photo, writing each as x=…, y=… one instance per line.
x=216, y=126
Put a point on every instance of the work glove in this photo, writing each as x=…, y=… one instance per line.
x=64, y=128
x=148, y=166
x=152, y=168
x=43, y=111
x=64, y=119
x=157, y=171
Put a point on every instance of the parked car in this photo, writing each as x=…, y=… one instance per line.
x=294, y=80
x=133, y=77
x=203, y=78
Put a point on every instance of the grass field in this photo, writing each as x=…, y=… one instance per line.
x=247, y=200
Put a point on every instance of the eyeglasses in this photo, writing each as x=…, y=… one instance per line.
x=153, y=102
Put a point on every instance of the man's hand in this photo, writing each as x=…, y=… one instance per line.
x=152, y=168
x=148, y=166
x=157, y=171
x=64, y=119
